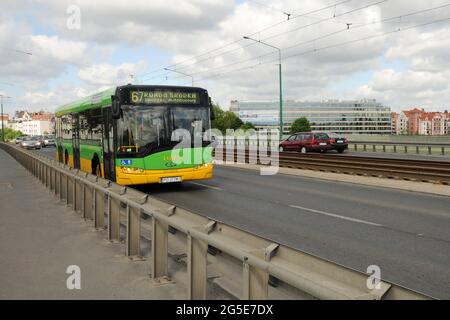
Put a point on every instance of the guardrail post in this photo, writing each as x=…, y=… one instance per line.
x=255, y=284
x=79, y=185
x=374, y=148
x=395, y=148
x=197, y=252
x=417, y=149
x=133, y=245
x=429, y=149
x=443, y=151
x=60, y=185
x=384, y=148
x=99, y=209
x=160, y=237
x=113, y=219
x=69, y=191
x=406, y=149
x=364, y=147
x=87, y=203
x=197, y=258
x=356, y=147
x=47, y=176
x=54, y=178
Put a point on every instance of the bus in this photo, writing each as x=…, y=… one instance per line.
x=126, y=134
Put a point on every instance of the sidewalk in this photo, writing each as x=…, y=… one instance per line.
x=40, y=238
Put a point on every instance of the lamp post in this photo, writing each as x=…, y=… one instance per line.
x=3, y=127
x=184, y=74
x=280, y=80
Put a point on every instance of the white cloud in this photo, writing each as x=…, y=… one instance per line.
x=186, y=28
x=107, y=74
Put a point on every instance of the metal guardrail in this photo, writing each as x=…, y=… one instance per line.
x=402, y=147
x=94, y=197
x=372, y=146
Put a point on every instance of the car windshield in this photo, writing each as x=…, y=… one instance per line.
x=36, y=138
x=151, y=127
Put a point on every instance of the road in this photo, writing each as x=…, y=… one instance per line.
x=407, y=234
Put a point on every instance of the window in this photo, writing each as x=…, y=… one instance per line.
x=320, y=136
x=66, y=126
x=90, y=123
x=291, y=138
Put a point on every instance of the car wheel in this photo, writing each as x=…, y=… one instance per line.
x=280, y=148
x=340, y=150
x=303, y=150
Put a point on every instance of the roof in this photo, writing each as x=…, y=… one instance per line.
x=97, y=100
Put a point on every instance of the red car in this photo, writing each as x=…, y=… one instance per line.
x=307, y=141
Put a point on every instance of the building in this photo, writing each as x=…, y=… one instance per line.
x=394, y=122
x=32, y=123
x=4, y=120
x=418, y=121
x=345, y=117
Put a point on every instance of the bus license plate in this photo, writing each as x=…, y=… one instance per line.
x=170, y=179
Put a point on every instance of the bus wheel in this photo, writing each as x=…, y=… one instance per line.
x=66, y=157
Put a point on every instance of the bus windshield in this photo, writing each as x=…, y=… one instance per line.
x=151, y=127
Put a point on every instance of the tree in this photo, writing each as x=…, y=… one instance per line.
x=247, y=126
x=301, y=125
x=225, y=120
x=10, y=134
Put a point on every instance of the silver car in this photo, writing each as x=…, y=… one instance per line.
x=31, y=143
x=48, y=141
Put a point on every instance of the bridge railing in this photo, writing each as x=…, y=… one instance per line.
x=370, y=146
x=100, y=201
x=401, y=147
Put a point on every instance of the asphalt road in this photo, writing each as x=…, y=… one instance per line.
x=407, y=234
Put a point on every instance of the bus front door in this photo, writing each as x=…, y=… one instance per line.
x=75, y=141
x=108, y=146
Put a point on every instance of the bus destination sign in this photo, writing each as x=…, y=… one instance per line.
x=164, y=97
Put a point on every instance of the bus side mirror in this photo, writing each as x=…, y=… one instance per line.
x=212, y=116
x=115, y=107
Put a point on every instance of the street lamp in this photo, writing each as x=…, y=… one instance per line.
x=184, y=74
x=279, y=75
x=3, y=127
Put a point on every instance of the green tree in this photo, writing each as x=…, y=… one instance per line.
x=247, y=126
x=301, y=125
x=10, y=134
x=225, y=120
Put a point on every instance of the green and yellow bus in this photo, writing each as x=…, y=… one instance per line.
x=126, y=134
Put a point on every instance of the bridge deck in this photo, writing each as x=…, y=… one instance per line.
x=40, y=238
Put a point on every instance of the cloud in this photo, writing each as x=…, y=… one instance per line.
x=187, y=28
x=108, y=74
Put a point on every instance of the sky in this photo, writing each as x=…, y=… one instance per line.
x=395, y=51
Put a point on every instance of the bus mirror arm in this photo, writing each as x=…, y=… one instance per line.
x=115, y=107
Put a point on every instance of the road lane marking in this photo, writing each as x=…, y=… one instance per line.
x=337, y=216
x=206, y=186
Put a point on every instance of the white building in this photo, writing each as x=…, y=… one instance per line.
x=33, y=127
